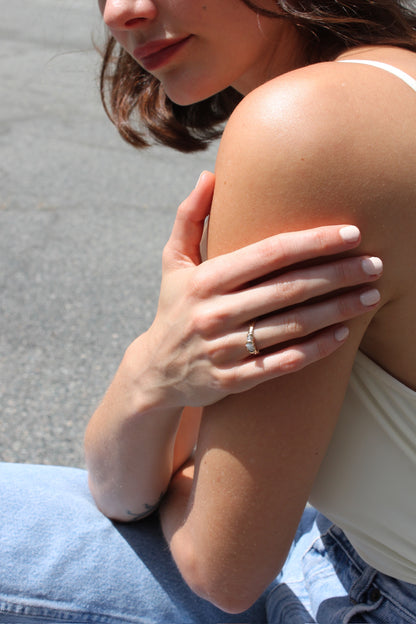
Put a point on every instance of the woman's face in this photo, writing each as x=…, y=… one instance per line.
x=196, y=48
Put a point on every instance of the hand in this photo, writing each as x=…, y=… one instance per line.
x=196, y=345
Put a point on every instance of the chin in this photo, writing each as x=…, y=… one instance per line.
x=186, y=99
x=186, y=96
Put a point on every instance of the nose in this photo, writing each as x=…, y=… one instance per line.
x=127, y=14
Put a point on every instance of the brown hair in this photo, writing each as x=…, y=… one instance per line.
x=136, y=103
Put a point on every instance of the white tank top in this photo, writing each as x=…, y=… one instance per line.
x=367, y=481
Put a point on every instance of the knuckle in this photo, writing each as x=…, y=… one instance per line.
x=323, y=347
x=281, y=249
x=292, y=360
x=284, y=288
x=342, y=272
x=316, y=239
x=346, y=307
x=195, y=286
x=214, y=353
x=206, y=321
x=218, y=351
x=296, y=324
x=319, y=238
x=216, y=381
x=182, y=211
x=271, y=252
x=166, y=254
x=287, y=290
x=201, y=322
x=202, y=283
x=229, y=380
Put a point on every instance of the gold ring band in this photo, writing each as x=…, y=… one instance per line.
x=250, y=340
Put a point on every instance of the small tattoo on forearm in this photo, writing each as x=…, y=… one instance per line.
x=148, y=509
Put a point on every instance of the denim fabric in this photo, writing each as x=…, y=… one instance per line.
x=324, y=581
x=62, y=561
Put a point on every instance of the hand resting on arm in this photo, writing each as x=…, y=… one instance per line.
x=194, y=353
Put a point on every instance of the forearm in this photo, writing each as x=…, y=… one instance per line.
x=129, y=442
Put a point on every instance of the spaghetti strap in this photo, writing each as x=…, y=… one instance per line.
x=409, y=80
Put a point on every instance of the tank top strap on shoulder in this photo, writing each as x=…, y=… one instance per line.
x=409, y=80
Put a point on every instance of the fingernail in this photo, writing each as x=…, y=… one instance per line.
x=370, y=297
x=199, y=179
x=341, y=333
x=350, y=234
x=372, y=266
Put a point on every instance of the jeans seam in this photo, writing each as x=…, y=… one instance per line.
x=62, y=613
x=340, y=544
x=398, y=605
x=361, y=608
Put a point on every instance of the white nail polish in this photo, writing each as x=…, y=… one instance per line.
x=370, y=297
x=350, y=234
x=199, y=179
x=372, y=266
x=341, y=333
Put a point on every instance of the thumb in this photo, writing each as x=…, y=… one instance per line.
x=185, y=239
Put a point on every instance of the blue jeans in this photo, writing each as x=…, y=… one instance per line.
x=63, y=561
x=324, y=581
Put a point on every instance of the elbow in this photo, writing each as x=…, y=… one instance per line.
x=111, y=503
x=105, y=503
x=235, y=604
x=227, y=595
x=227, y=589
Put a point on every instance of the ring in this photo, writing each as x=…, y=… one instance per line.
x=250, y=341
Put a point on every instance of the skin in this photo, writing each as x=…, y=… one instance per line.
x=194, y=353
x=329, y=143
x=261, y=48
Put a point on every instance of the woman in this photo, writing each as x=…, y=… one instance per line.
x=307, y=145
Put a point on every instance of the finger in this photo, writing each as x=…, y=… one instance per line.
x=306, y=320
x=299, y=286
x=293, y=324
x=278, y=252
x=291, y=359
x=184, y=241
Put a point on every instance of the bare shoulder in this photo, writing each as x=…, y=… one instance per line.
x=327, y=141
x=322, y=104
x=330, y=143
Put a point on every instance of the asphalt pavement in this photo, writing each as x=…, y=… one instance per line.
x=83, y=220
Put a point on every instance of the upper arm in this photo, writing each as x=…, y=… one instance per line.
x=259, y=452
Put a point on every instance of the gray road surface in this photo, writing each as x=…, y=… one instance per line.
x=83, y=220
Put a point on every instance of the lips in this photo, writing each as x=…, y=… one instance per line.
x=154, y=54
